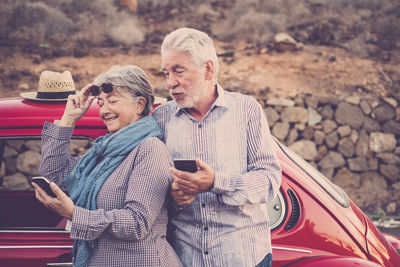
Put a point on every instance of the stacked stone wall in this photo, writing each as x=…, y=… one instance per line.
x=353, y=141
x=21, y=160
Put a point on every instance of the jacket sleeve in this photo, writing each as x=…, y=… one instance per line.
x=56, y=163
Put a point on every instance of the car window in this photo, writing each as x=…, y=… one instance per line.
x=336, y=192
x=20, y=160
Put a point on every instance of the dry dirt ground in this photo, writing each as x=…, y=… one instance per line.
x=350, y=46
x=317, y=70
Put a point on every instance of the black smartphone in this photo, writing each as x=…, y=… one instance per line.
x=44, y=184
x=187, y=165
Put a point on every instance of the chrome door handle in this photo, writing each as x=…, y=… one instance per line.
x=60, y=264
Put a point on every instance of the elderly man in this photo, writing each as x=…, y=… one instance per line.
x=219, y=216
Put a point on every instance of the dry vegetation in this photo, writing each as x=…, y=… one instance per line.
x=350, y=46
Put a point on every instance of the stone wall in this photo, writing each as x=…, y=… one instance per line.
x=353, y=141
x=21, y=160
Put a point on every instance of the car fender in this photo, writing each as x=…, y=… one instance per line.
x=395, y=241
x=332, y=261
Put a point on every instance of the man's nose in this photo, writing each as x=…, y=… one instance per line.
x=172, y=82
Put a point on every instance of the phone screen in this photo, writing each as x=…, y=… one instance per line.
x=187, y=165
x=44, y=184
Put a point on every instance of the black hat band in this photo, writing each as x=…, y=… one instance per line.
x=54, y=95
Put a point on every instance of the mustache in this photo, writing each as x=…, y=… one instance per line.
x=177, y=91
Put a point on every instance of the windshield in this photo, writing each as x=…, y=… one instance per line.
x=336, y=192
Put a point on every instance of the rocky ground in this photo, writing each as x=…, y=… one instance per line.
x=314, y=70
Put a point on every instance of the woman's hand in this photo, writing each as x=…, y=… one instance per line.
x=76, y=107
x=62, y=204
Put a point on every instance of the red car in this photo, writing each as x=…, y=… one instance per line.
x=313, y=221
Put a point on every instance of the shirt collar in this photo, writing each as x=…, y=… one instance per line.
x=221, y=99
x=219, y=102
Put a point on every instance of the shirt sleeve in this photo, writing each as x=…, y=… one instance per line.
x=148, y=187
x=263, y=178
x=56, y=163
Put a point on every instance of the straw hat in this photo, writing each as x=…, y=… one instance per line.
x=53, y=86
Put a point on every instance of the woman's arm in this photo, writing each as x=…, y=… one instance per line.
x=56, y=163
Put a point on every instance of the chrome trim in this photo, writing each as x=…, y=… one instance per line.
x=292, y=249
x=63, y=264
x=34, y=246
x=283, y=211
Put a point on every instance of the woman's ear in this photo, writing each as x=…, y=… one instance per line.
x=141, y=105
x=209, y=70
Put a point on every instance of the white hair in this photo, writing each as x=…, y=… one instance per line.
x=196, y=44
x=131, y=78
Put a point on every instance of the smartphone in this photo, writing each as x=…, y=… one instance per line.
x=44, y=184
x=187, y=165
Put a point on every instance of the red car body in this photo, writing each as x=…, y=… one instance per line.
x=313, y=223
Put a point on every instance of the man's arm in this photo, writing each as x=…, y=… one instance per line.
x=263, y=178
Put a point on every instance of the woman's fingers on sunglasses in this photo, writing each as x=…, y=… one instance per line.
x=83, y=99
x=87, y=89
x=73, y=99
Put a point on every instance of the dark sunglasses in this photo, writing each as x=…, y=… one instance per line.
x=105, y=87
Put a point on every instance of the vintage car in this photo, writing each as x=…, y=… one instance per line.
x=313, y=222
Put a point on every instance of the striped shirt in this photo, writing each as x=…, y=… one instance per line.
x=229, y=225
x=130, y=222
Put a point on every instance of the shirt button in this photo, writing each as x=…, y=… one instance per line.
x=206, y=228
x=206, y=252
x=199, y=126
x=203, y=205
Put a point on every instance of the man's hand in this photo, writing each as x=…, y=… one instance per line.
x=62, y=204
x=76, y=107
x=180, y=197
x=194, y=183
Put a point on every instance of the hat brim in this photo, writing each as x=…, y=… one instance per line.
x=33, y=96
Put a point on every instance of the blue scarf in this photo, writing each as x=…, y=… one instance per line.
x=89, y=175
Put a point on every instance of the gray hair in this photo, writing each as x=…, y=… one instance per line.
x=196, y=44
x=133, y=80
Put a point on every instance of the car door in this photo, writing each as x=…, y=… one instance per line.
x=30, y=234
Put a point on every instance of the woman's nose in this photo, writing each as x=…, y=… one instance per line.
x=104, y=109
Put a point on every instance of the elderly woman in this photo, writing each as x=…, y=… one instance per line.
x=118, y=189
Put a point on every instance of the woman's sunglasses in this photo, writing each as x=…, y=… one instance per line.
x=105, y=87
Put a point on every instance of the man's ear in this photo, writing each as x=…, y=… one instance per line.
x=209, y=70
x=141, y=104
